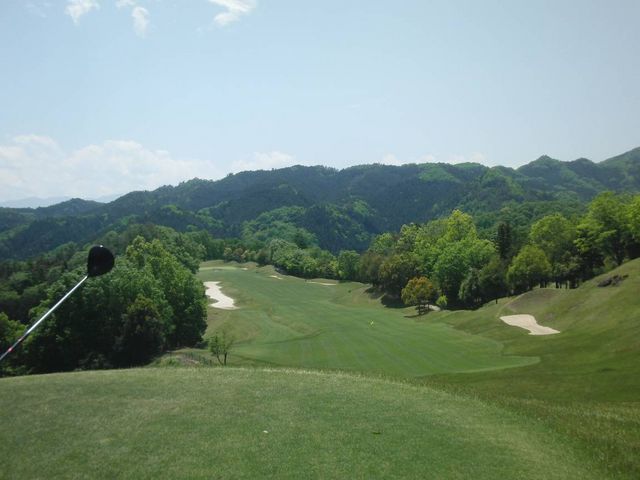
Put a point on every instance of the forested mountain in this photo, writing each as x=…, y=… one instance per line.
x=338, y=209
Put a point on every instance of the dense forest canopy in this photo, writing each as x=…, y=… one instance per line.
x=341, y=209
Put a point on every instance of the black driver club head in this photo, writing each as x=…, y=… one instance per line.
x=100, y=261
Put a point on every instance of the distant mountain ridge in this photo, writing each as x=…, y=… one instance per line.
x=342, y=208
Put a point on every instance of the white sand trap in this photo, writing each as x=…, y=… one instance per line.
x=276, y=276
x=323, y=283
x=222, y=301
x=528, y=322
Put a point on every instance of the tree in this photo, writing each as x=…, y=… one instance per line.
x=369, y=269
x=184, y=293
x=529, y=268
x=396, y=271
x=605, y=228
x=470, y=290
x=456, y=259
x=348, y=264
x=419, y=292
x=9, y=332
x=492, y=278
x=555, y=235
x=460, y=226
x=220, y=345
x=504, y=240
x=442, y=302
x=143, y=333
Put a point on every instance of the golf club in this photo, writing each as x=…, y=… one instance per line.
x=99, y=262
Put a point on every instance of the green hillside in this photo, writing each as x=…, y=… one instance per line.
x=235, y=423
x=342, y=208
x=587, y=383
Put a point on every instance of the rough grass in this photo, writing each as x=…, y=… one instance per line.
x=255, y=423
x=587, y=384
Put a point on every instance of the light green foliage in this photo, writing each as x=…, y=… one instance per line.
x=442, y=302
x=554, y=234
x=282, y=224
x=634, y=218
x=528, y=269
x=383, y=244
x=605, y=229
x=456, y=259
x=426, y=243
x=220, y=344
x=419, y=292
x=460, y=227
x=348, y=265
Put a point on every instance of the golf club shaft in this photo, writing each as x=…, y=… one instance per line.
x=49, y=312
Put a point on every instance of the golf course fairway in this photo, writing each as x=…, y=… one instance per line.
x=256, y=423
x=287, y=321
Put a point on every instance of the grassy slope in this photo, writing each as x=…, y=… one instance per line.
x=211, y=423
x=587, y=383
x=573, y=413
x=290, y=322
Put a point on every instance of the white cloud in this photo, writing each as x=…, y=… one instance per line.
x=77, y=8
x=125, y=3
x=36, y=166
x=264, y=161
x=234, y=10
x=140, y=20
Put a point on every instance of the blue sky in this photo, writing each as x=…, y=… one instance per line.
x=106, y=96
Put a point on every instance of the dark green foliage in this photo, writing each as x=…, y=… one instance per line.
x=493, y=279
x=396, y=271
x=149, y=302
x=470, y=293
x=142, y=334
x=504, y=240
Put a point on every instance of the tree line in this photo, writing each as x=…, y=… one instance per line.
x=463, y=267
x=150, y=302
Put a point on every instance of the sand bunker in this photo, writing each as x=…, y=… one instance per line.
x=222, y=301
x=528, y=322
x=276, y=276
x=323, y=283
